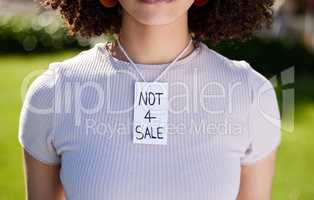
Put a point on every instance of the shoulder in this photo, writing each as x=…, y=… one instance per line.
x=40, y=92
x=85, y=64
x=43, y=87
x=217, y=61
x=82, y=67
x=231, y=69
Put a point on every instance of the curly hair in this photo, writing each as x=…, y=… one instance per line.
x=218, y=20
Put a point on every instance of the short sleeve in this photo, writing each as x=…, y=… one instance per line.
x=264, y=124
x=36, y=121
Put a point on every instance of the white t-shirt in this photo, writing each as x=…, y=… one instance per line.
x=78, y=113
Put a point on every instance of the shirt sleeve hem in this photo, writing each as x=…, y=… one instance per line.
x=263, y=155
x=40, y=158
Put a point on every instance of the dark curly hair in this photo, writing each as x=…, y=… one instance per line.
x=218, y=20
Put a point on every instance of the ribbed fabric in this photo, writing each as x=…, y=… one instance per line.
x=222, y=114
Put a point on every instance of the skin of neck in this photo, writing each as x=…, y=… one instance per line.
x=152, y=44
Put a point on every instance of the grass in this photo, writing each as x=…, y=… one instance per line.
x=294, y=179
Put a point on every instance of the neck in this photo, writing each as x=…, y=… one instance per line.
x=157, y=44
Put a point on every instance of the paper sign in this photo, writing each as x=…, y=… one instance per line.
x=150, y=124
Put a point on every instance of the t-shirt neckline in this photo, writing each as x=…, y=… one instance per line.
x=196, y=52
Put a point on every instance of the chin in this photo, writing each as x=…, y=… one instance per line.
x=153, y=20
x=155, y=13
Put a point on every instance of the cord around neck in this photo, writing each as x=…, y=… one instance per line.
x=167, y=65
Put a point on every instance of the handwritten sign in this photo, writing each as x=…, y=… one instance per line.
x=150, y=113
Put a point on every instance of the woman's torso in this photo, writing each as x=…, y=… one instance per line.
x=207, y=130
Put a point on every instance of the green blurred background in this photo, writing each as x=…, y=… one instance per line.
x=31, y=38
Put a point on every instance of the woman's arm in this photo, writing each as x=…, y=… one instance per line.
x=256, y=179
x=42, y=181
